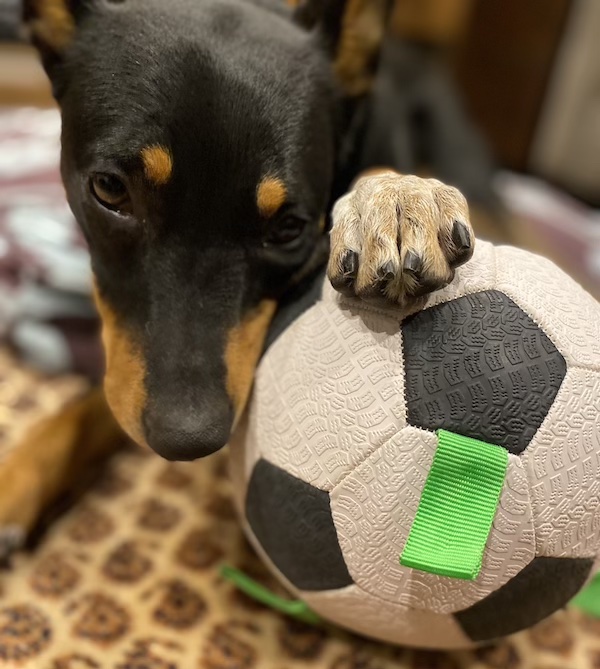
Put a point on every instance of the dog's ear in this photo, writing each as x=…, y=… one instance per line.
x=353, y=31
x=51, y=26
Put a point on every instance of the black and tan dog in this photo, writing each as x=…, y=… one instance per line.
x=203, y=144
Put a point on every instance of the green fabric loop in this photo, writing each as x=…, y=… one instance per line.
x=457, y=507
x=293, y=608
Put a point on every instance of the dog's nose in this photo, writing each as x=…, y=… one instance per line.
x=177, y=434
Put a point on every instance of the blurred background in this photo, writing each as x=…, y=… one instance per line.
x=498, y=97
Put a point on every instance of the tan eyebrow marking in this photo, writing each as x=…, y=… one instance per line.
x=271, y=194
x=53, y=23
x=158, y=164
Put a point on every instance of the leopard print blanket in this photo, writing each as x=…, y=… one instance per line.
x=129, y=579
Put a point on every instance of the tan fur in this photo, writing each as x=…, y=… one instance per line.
x=158, y=164
x=244, y=346
x=372, y=172
x=124, y=381
x=52, y=456
x=53, y=24
x=387, y=215
x=363, y=29
x=270, y=196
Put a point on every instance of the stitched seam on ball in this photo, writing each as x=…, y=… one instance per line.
x=327, y=484
x=388, y=602
x=407, y=607
x=403, y=371
x=490, y=286
x=543, y=327
x=519, y=462
x=369, y=452
x=528, y=464
x=458, y=297
x=394, y=313
x=558, y=349
x=376, y=450
x=511, y=295
x=585, y=368
x=528, y=455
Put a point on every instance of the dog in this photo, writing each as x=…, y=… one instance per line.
x=204, y=144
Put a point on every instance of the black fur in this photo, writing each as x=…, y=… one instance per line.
x=236, y=89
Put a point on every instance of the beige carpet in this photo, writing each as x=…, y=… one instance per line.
x=129, y=579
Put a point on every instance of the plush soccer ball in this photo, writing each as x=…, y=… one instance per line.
x=433, y=479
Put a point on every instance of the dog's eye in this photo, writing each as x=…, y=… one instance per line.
x=285, y=232
x=110, y=191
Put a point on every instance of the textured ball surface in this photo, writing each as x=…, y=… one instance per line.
x=341, y=437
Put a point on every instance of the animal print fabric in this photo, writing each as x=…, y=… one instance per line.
x=129, y=579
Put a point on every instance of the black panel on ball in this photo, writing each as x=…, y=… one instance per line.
x=545, y=585
x=292, y=521
x=480, y=367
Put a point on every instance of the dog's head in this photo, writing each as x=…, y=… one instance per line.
x=198, y=155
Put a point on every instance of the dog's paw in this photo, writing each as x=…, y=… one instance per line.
x=398, y=238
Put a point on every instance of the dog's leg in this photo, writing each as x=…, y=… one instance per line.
x=398, y=237
x=50, y=460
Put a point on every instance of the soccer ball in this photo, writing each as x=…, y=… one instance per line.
x=433, y=479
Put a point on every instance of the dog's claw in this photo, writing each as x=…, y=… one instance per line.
x=462, y=242
x=387, y=272
x=412, y=264
x=343, y=281
x=461, y=236
x=350, y=265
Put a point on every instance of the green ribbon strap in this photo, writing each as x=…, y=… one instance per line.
x=457, y=507
x=293, y=608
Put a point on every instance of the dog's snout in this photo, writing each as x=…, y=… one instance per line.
x=180, y=434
